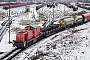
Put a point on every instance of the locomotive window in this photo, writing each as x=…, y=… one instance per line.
x=32, y=28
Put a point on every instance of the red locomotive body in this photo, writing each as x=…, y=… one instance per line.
x=86, y=17
x=21, y=36
x=27, y=35
x=36, y=31
x=30, y=34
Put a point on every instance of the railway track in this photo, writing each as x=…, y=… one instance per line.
x=28, y=54
x=11, y=54
x=4, y=28
x=60, y=29
x=2, y=32
x=16, y=51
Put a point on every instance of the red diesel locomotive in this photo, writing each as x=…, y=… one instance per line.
x=24, y=37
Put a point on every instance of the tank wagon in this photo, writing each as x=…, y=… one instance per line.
x=69, y=21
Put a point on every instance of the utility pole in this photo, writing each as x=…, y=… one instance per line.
x=53, y=10
x=9, y=21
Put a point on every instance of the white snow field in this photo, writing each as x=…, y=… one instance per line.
x=71, y=44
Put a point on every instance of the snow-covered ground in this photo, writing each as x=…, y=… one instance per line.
x=71, y=44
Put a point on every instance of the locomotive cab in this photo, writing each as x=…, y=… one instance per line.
x=29, y=28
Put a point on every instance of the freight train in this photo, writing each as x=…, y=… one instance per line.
x=74, y=20
x=31, y=35
x=14, y=5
